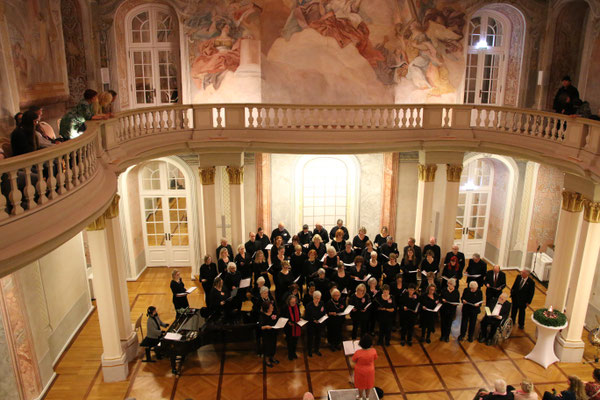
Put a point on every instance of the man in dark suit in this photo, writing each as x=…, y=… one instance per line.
x=500, y=309
x=340, y=225
x=495, y=281
x=280, y=231
x=416, y=250
x=457, y=254
x=252, y=245
x=262, y=239
x=435, y=249
x=319, y=230
x=521, y=293
x=477, y=267
x=224, y=244
x=305, y=236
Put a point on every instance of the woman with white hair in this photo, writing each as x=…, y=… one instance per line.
x=330, y=262
x=318, y=246
x=374, y=267
x=313, y=312
x=471, y=300
x=526, y=392
x=242, y=261
x=323, y=285
x=232, y=278
x=360, y=312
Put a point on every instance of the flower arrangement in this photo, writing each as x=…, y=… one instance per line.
x=550, y=317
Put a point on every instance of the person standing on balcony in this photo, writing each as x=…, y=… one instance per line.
x=567, y=99
x=72, y=123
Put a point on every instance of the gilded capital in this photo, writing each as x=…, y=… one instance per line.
x=207, y=175
x=572, y=201
x=591, y=212
x=236, y=175
x=113, y=210
x=427, y=172
x=97, y=225
x=453, y=172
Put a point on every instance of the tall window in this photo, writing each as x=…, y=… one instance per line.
x=153, y=56
x=485, y=69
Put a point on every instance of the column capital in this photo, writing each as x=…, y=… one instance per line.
x=236, y=175
x=591, y=211
x=572, y=201
x=113, y=209
x=207, y=175
x=98, y=225
x=427, y=172
x=453, y=172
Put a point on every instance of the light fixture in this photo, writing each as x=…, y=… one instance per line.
x=481, y=45
x=469, y=186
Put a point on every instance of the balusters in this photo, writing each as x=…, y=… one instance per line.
x=259, y=118
x=418, y=118
x=3, y=213
x=411, y=118
x=404, y=118
x=478, y=117
x=53, y=166
x=60, y=176
x=29, y=190
x=40, y=186
x=250, y=111
x=75, y=161
x=68, y=172
x=447, y=118
x=14, y=196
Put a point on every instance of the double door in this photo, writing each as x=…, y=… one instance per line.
x=472, y=221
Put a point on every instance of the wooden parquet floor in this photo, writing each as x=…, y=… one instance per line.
x=438, y=370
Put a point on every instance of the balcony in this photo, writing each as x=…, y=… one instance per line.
x=50, y=195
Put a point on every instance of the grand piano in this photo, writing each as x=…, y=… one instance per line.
x=191, y=330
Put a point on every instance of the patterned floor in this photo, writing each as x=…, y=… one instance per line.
x=424, y=371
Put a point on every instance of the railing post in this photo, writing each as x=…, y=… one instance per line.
x=592, y=143
x=574, y=134
x=110, y=133
x=461, y=118
x=235, y=116
x=203, y=117
x=432, y=116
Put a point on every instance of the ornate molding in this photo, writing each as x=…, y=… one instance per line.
x=207, y=175
x=453, y=172
x=572, y=201
x=113, y=210
x=591, y=211
x=427, y=172
x=97, y=225
x=236, y=175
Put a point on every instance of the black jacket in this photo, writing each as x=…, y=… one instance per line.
x=524, y=295
x=285, y=235
x=334, y=230
x=322, y=233
x=504, y=311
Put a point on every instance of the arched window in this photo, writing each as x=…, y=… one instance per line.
x=153, y=55
x=486, y=58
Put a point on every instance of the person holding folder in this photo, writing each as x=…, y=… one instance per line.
x=360, y=312
x=495, y=282
x=450, y=299
x=208, y=273
x=410, y=307
x=471, y=299
x=477, y=270
x=267, y=321
x=498, y=313
x=180, y=301
x=364, y=367
x=409, y=267
x=291, y=311
x=217, y=300
x=386, y=313
x=313, y=312
x=429, y=301
x=335, y=322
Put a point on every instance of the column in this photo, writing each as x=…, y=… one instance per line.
x=236, y=203
x=114, y=359
x=424, y=223
x=116, y=253
x=453, y=173
x=263, y=191
x=207, y=177
x=389, y=204
x=567, y=234
x=569, y=346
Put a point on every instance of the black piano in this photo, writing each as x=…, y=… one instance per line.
x=191, y=330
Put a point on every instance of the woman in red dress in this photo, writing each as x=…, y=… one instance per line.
x=364, y=369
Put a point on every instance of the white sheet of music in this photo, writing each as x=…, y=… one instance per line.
x=280, y=323
x=190, y=290
x=244, y=283
x=347, y=310
x=323, y=318
x=302, y=322
x=268, y=247
x=350, y=347
x=173, y=336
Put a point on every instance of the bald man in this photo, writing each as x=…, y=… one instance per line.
x=495, y=281
x=280, y=231
x=499, y=311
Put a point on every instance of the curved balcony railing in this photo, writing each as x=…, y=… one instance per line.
x=70, y=172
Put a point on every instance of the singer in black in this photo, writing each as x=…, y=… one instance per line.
x=390, y=269
x=180, y=300
x=495, y=282
x=360, y=312
x=521, y=293
x=429, y=302
x=471, y=299
x=450, y=299
x=267, y=320
x=386, y=312
x=291, y=311
x=313, y=312
x=208, y=273
x=410, y=309
x=476, y=267
x=335, y=322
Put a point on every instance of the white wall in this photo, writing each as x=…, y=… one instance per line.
x=406, y=212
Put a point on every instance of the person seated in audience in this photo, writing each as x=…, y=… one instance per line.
x=521, y=292
x=527, y=392
x=180, y=301
x=208, y=273
x=409, y=267
x=459, y=256
x=390, y=269
x=280, y=231
x=416, y=249
x=386, y=313
x=23, y=138
x=313, y=312
x=410, y=309
x=260, y=267
x=252, y=245
x=592, y=389
x=262, y=238
x=223, y=259
x=500, y=392
x=360, y=312
x=347, y=256
x=450, y=299
x=374, y=267
x=322, y=284
x=44, y=132
x=225, y=245
x=381, y=237
x=435, y=249
x=338, y=242
x=500, y=310
x=339, y=225
x=471, y=299
x=305, y=236
x=335, y=322
x=452, y=270
x=360, y=241
x=318, y=246
x=268, y=319
x=308, y=396
x=477, y=267
x=283, y=280
x=342, y=281
x=495, y=281
x=319, y=230
x=153, y=333
x=72, y=124
x=389, y=247
x=292, y=330
x=575, y=391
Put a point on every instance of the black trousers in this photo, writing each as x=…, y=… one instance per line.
x=446, y=319
x=385, y=327
x=427, y=323
x=407, y=325
x=259, y=348
x=469, y=319
x=520, y=308
x=491, y=324
x=313, y=339
x=360, y=320
x=292, y=345
x=334, y=330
